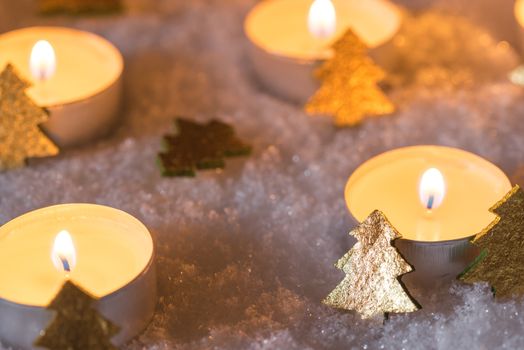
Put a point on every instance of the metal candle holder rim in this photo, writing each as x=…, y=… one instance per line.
x=141, y=289
x=447, y=242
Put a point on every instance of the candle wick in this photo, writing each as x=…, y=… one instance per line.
x=431, y=201
x=42, y=75
x=65, y=264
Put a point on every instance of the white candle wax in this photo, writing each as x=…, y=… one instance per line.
x=110, y=253
x=83, y=95
x=437, y=197
x=114, y=254
x=390, y=183
x=284, y=52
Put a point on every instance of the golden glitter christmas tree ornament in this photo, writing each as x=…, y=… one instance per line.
x=349, y=90
x=20, y=117
x=372, y=267
x=77, y=325
x=501, y=260
x=76, y=7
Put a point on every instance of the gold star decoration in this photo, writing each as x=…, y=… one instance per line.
x=20, y=134
x=199, y=146
x=500, y=262
x=76, y=325
x=372, y=267
x=349, y=90
x=79, y=6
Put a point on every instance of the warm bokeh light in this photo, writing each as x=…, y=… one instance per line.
x=322, y=19
x=432, y=189
x=63, y=253
x=42, y=62
x=519, y=11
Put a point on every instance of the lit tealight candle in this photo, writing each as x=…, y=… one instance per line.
x=289, y=37
x=437, y=197
x=75, y=75
x=519, y=15
x=103, y=250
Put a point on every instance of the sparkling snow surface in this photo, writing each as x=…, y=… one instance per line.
x=246, y=254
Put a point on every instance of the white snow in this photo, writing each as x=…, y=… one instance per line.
x=246, y=254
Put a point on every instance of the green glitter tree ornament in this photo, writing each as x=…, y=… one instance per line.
x=77, y=325
x=500, y=262
x=199, y=146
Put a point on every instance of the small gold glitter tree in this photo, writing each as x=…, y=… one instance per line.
x=372, y=267
x=500, y=262
x=79, y=6
x=349, y=90
x=20, y=117
x=77, y=325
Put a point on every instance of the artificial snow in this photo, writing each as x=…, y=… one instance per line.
x=246, y=254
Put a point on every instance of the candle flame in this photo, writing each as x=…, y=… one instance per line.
x=42, y=61
x=322, y=19
x=432, y=189
x=63, y=253
x=519, y=11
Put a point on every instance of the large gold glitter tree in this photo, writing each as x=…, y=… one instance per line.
x=20, y=117
x=349, y=90
x=372, y=267
x=77, y=325
x=500, y=262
